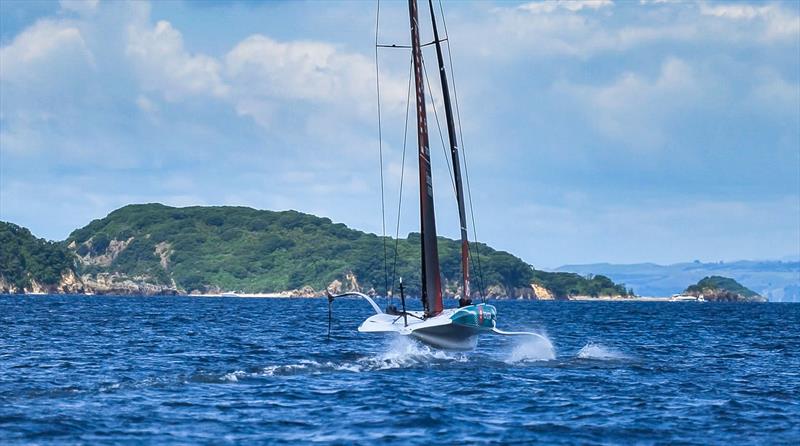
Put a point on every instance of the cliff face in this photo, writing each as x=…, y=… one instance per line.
x=350, y=285
x=103, y=257
x=70, y=283
x=116, y=283
x=6, y=287
x=541, y=292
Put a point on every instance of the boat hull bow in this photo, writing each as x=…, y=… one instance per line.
x=452, y=329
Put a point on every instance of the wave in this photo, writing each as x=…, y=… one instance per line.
x=234, y=376
x=600, y=352
x=404, y=352
x=530, y=348
x=400, y=352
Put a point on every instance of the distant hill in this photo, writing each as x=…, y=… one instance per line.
x=776, y=280
x=157, y=249
x=564, y=285
x=722, y=289
x=243, y=249
x=29, y=263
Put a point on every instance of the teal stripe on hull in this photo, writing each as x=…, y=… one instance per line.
x=482, y=316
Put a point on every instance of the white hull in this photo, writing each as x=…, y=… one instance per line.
x=438, y=331
x=452, y=329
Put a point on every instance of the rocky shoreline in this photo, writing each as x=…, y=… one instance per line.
x=295, y=295
x=117, y=284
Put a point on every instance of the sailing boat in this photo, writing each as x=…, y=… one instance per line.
x=452, y=328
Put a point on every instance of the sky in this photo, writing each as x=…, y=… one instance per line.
x=594, y=131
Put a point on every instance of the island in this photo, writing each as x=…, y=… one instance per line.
x=722, y=289
x=153, y=249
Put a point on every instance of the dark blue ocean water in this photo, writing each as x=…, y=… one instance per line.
x=217, y=370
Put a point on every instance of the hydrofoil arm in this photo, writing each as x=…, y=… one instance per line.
x=354, y=293
x=519, y=333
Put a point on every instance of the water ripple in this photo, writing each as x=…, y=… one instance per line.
x=181, y=370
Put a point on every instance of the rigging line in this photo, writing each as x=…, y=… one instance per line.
x=464, y=155
x=380, y=152
x=444, y=25
x=477, y=256
x=402, y=175
x=394, y=45
x=439, y=127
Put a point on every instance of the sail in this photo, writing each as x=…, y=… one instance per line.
x=451, y=134
x=431, y=279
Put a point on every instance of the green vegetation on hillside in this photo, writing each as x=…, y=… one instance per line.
x=248, y=250
x=24, y=257
x=243, y=249
x=719, y=285
x=571, y=284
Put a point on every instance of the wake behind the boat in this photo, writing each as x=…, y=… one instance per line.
x=396, y=353
x=600, y=352
x=402, y=352
x=536, y=348
x=399, y=352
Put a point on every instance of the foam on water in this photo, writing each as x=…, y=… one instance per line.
x=600, y=352
x=400, y=352
x=234, y=376
x=292, y=369
x=532, y=348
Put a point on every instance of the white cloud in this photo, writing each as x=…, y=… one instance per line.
x=46, y=45
x=548, y=6
x=633, y=108
x=738, y=11
x=297, y=70
x=79, y=6
x=265, y=72
x=512, y=33
x=39, y=67
x=145, y=104
x=775, y=93
x=778, y=23
x=164, y=65
x=149, y=108
x=315, y=89
x=259, y=76
x=554, y=28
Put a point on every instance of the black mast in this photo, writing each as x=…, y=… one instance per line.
x=431, y=280
x=451, y=133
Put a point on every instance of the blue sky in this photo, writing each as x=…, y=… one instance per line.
x=595, y=131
